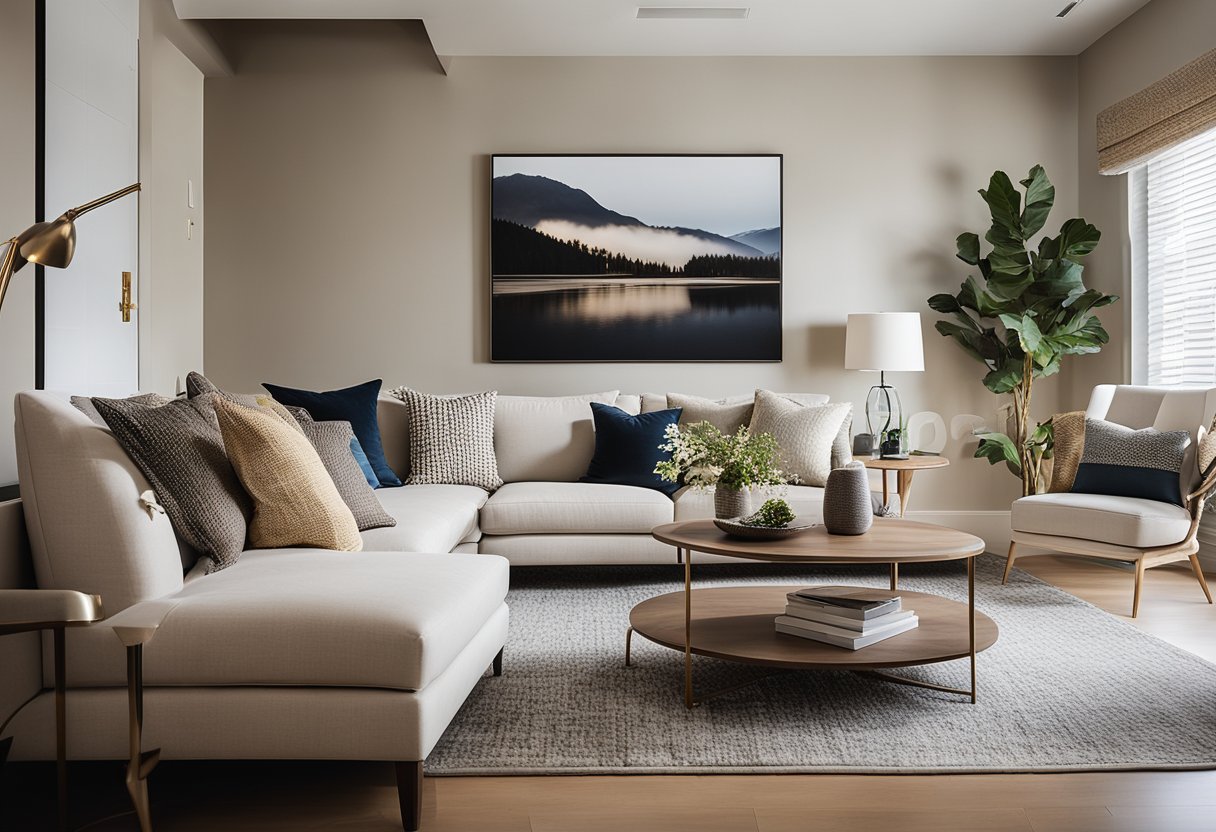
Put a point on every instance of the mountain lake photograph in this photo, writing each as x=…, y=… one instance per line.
x=636, y=258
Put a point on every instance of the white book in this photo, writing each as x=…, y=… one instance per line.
x=850, y=642
x=872, y=625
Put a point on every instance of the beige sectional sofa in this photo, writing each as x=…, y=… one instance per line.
x=311, y=654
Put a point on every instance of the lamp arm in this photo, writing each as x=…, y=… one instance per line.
x=73, y=213
x=6, y=268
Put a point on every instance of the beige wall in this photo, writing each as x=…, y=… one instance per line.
x=348, y=186
x=18, y=92
x=1146, y=47
x=170, y=155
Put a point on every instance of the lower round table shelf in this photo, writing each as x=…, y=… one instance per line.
x=736, y=624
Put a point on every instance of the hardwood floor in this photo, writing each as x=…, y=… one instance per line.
x=360, y=797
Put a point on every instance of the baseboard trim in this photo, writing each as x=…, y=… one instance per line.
x=991, y=526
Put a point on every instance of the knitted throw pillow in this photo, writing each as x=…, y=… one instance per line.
x=451, y=439
x=179, y=448
x=333, y=442
x=806, y=435
x=295, y=501
x=198, y=384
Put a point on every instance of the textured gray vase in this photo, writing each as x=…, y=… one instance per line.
x=731, y=502
x=847, y=507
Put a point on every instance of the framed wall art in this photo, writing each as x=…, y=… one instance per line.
x=630, y=258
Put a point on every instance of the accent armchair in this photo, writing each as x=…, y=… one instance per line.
x=1144, y=532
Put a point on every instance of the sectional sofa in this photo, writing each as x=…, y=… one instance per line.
x=309, y=654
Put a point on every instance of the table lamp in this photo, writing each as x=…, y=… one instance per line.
x=50, y=243
x=882, y=342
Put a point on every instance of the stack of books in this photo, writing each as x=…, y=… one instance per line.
x=846, y=616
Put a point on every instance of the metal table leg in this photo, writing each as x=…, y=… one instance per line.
x=61, y=729
x=141, y=763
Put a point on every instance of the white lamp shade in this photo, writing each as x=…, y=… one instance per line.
x=887, y=341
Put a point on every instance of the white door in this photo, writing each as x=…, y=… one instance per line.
x=92, y=149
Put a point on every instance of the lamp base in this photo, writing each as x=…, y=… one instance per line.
x=884, y=416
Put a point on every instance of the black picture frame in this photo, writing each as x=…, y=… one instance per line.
x=635, y=316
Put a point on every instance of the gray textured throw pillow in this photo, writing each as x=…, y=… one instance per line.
x=332, y=443
x=198, y=384
x=807, y=435
x=85, y=405
x=451, y=439
x=179, y=448
x=1122, y=462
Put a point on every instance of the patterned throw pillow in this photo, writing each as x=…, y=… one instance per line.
x=333, y=442
x=295, y=501
x=806, y=435
x=179, y=448
x=451, y=439
x=1123, y=462
x=1069, y=444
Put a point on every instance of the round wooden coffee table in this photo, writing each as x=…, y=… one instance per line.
x=736, y=623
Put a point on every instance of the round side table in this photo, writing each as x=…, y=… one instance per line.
x=904, y=469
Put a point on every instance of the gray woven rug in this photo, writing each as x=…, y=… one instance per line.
x=1067, y=687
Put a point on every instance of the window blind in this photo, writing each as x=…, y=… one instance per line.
x=1175, y=226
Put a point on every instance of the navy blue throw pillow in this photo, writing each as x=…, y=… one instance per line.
x=356, y=405
x=627, y=447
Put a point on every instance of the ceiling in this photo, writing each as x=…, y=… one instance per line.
x=773, y=27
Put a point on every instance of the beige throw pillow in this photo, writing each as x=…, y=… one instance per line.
x=804, y=434
x=1068, y=446
x=727, y=415
x=295, y=501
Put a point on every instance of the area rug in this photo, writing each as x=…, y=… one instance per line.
x=1067, y=687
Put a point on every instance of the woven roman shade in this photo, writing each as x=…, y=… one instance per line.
x=1176, y=108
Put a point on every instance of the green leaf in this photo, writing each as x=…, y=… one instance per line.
x=1028, y=332
x=968, y=245
x=1005, y=204
x=966, y=337
x=1004, y=379
x=998, y=448
x=946, y=304
x=1040, y=197
x=1006, y=287
x=1078, y=238
x=973, y=297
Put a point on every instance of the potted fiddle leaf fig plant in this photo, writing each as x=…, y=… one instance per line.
x=1027, y=310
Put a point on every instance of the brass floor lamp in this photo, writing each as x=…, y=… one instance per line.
x=53, y=244
x=50, y=243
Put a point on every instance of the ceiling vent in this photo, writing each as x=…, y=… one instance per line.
x=692, y=12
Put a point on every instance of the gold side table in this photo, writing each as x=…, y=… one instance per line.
x=30, y=610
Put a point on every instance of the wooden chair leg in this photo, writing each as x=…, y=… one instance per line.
x=1203, y=582
x=409, y=794
x=1139, y=583
x=1009, y=561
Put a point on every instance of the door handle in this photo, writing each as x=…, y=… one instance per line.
x=125, y=306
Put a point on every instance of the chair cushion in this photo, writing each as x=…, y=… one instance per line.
x=1124, y=462
x=430, y=518
x=310, y=617
x=574, y=507
x=1123, y=521
x=698, y=504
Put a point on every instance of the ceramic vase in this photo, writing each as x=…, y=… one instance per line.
x=731, y=502
x=847, y=505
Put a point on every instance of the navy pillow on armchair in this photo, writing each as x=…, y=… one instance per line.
x=627, y=447
x=356, y=405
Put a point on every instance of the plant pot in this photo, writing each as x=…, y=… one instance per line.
x=731, y=502
x=847, y=506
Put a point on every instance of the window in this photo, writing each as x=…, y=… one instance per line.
x=1173, y=233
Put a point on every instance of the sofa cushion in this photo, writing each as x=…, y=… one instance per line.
x=85, y=405
x=310, y=617
x=430, y=518
x=80, y=493
x=198, y=384
x=807, y=434
x=545, y=438
x=727, y=415
x=451, y=438
x=295, y=500
x=179, y=448
x=1123, y=521
x=356, y=405
x=698, y=504
x=574, y=507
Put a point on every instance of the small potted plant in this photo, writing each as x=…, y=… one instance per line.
x=774, y=514
x=733, y=464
